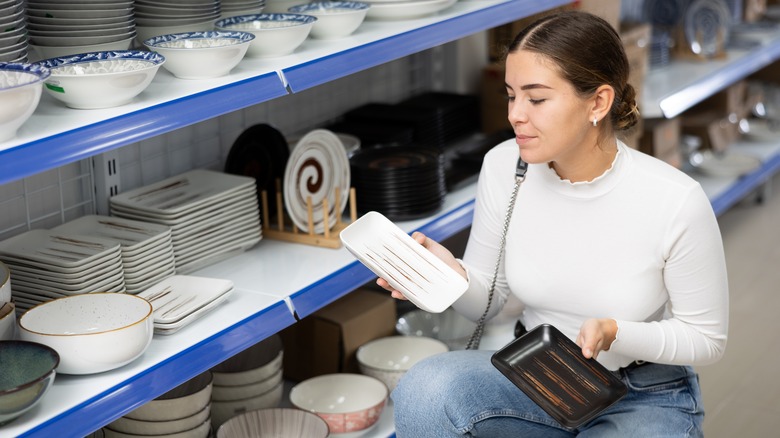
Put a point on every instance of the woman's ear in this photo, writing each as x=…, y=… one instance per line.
x=602, y=102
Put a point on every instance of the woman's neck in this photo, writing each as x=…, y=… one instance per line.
x=588, y=165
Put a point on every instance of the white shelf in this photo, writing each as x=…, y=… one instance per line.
x=670, y=90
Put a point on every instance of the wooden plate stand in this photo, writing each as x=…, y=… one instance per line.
x=285, y=230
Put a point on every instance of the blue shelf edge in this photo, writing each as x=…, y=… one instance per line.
x=86, y=141
x=746, y=184
x=320, y=71
x=323, y=292
x=678, y=102
x=100, y=410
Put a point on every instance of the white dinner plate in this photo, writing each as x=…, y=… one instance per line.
x=176, y=298
x=59, y=250
x=133, y=235
x=393, y=255
x=405, y=10
x=318, y=168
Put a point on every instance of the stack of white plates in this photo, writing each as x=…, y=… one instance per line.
x=154, y=18
x=47, y=264
x=147, y=249
x=13, y=38
x=317, y=171
x=233, y=8
x=248, y=381
x=67, y=28
x=181, y=299
x=212, y=215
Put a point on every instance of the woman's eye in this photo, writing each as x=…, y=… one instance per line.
x=510, y=98
x=536, y=101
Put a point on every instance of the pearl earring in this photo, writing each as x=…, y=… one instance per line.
x=595, y=121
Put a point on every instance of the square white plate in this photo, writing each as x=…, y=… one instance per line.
x=178, y=296
x=392, y=254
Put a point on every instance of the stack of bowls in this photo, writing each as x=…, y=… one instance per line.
x=181, y=412
x=7, y=321
x=153, y=18
x=21, y=86
x=28, y=373
x=351, y=404
x=232, y=8
x=275, y=422
x=201, y=55
x=61, y=29
x=13, y=38
x=335, y=19
x=389, y=358
x=248, y=381
x=91, y=333
x=276, y=34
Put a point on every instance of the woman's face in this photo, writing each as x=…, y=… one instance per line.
x=549, y=119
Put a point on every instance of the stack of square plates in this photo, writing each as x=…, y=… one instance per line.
x=181, y=299
x=212, y=215
x=147, y=248
x=47, y=264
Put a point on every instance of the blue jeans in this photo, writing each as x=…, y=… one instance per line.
x=460, y=393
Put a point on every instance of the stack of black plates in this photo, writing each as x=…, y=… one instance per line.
x=376, y=134
x=261, y=152
x=423, y=121
x=456, y=115
x=403, y=183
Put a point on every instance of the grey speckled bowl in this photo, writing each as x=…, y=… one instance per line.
x=27, y=373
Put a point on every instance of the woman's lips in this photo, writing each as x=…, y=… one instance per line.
x=523, y=139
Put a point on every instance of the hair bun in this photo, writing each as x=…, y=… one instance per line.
x=626, y=113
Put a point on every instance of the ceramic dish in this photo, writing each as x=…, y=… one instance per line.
x=179, y=299
x=405, y=10
x=5, y=283
x=393, y=255
x=28, y=373
x=335, y=19
x=318, y=169
x=277, y=34
x=706, y=26
x=201, y=55
x=58, y=249
x=550, y=368
x=7, y=321
x=274, y=422
x=21, y=86
x=134, y=236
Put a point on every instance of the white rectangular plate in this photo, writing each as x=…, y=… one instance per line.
x=392, y=254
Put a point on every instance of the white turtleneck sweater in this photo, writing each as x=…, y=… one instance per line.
x=639, y=244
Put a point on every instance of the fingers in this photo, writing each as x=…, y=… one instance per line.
x=381, y=282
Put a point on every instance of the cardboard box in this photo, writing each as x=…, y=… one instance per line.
x=326, y=341
x=661, y=139
x=716, y=131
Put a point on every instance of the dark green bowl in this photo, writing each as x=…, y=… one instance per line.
x=27, y=373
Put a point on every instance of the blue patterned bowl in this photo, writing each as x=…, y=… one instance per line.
x=27, y=373
x=101, y=79
x=201, y=55
x=20, y=93
x=335, y=19
x=277, y=34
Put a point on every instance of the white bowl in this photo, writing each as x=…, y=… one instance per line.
x=222, y=411
x=20, y=93
x=144, y=427
x=256, y=363
x=203, y=430
x=276, y=34
x=93, y=332
x=7, y=321
x=449, y=326
x=335, y=19
x=351, y=404
x=388, y=358
x=181, y=402
x=230, y=393
x=101, y=79
x=274, y=422
x=201, y=55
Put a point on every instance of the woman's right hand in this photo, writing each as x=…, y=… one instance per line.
x=436, y=249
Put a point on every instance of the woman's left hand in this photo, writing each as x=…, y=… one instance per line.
x=596, y=335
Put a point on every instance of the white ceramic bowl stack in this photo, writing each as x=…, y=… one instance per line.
x=98, y=80
x=232, y=8
x=92, y=333
x=212, y=215
x=21, y=86
x=335, y=19
x=147, y=249
x=406, y=9
x=13, y=38
x=248, y=381
x=274, y=422
x=181, y=299
x=201, y=55
x=46, y=265
x=389, y=358
x=275, y=34
x=59, y=28
x=183, y=412
x=154, y=18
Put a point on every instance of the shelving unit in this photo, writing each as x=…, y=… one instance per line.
x=56, y=135
x=276, y=281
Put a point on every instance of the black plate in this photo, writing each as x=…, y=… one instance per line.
x=551, y=370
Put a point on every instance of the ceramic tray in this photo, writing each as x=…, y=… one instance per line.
x=550, y=368
x=393, y=255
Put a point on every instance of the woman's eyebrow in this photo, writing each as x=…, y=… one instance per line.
x=530, y=86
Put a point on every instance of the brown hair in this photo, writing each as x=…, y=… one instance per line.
x=588, y=53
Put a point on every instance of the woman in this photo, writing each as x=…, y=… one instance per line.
x=618, y=250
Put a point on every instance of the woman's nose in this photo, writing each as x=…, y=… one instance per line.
x=516, y=114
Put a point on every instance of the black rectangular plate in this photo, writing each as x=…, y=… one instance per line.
x=551, y=370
